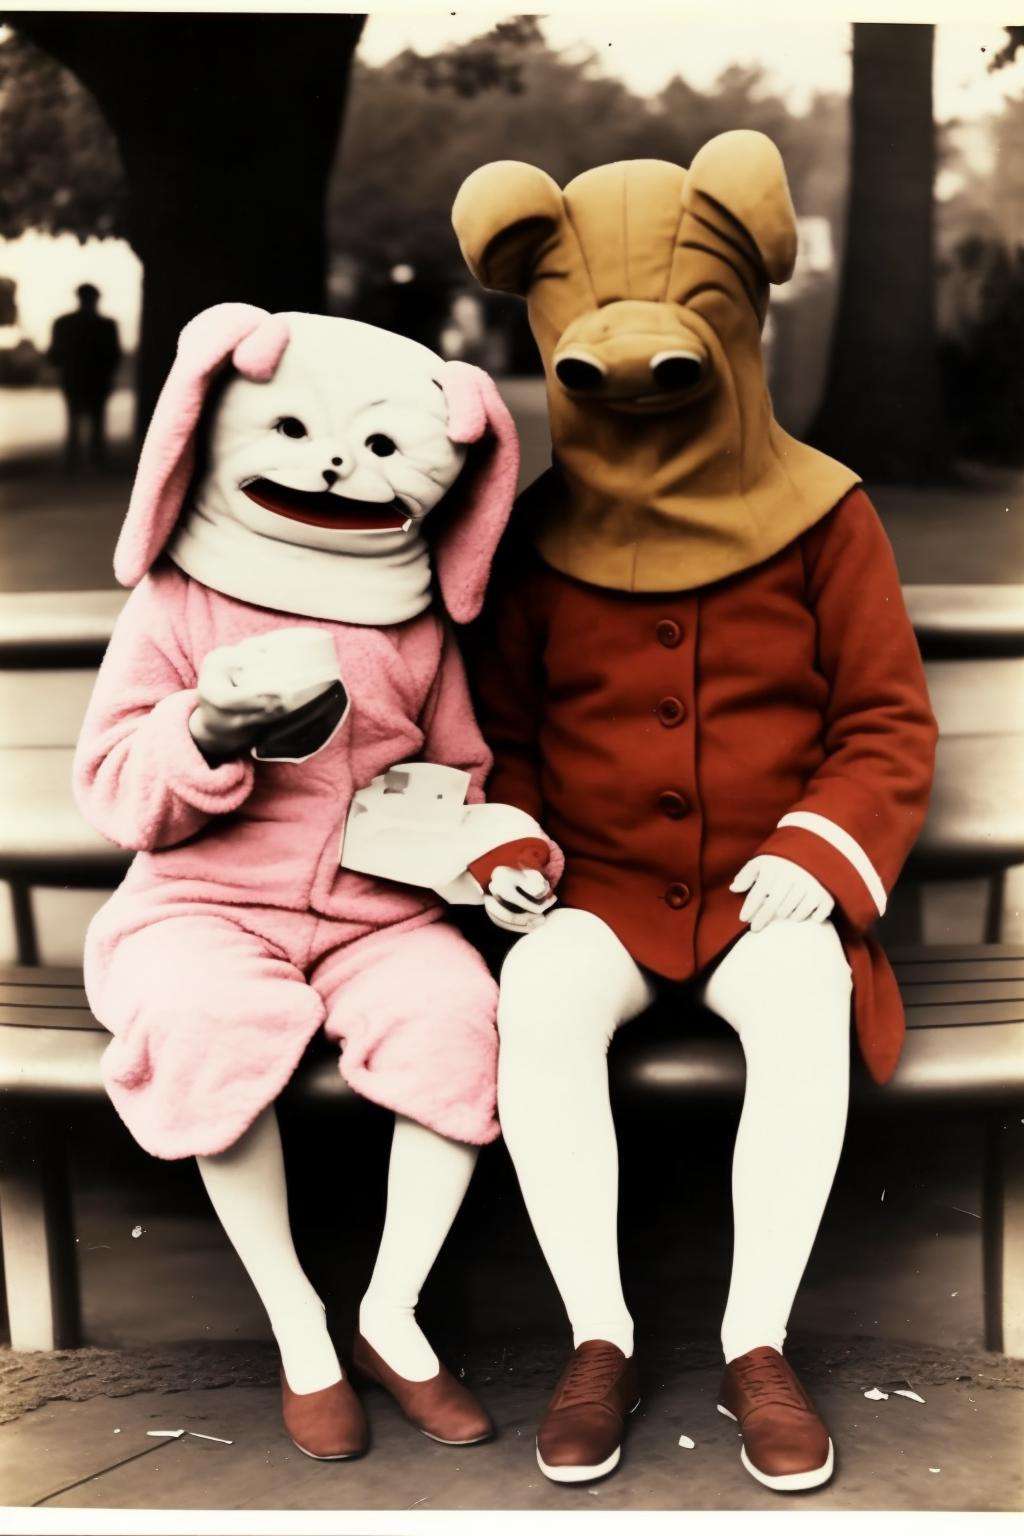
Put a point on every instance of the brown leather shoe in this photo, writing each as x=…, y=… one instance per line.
x=440, y=1407
x=328, y=1425
x=580, y=1436
x=785, y=1444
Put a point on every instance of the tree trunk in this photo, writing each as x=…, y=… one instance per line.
x=227, y=126
x=882, y=408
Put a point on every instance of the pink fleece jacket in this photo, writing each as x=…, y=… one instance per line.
x=140, y=779
x=245, y=854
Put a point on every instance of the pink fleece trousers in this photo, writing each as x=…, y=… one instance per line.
x=211, y=1006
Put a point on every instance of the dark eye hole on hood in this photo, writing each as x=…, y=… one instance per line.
x=323, y=509
x=382, y=445
x=291, y=426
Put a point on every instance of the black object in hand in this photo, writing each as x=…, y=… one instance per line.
x=305, y=730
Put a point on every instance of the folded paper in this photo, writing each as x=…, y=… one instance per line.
x=412, y=825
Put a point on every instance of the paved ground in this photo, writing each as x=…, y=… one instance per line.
x=893, y=1293
x=71, y=1455
x=32, y=423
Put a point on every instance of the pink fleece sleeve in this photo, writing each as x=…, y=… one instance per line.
x=452, y=737
x=139, y=778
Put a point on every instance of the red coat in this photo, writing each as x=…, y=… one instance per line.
x=665, y=739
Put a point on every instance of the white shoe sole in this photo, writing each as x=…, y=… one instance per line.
x=345, y=1455
x=580, y=1474
x=584, y=1474
x=477, y=1439
x=788, y=1482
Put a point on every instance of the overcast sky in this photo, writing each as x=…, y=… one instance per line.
x=647, y=45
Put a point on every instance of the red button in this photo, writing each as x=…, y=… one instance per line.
x=669, y=633
x=671, y=711
x=677, y=895
x=673, y=804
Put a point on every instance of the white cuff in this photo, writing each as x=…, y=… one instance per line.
x=843, y=843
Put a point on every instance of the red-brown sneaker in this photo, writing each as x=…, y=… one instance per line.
x=785, y=1443
x=580, y=1436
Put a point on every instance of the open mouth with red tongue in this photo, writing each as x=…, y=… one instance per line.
x=323, y=509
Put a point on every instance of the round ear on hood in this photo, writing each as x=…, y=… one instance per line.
x=254, y=340
x=742, y=172
x=503, y=216
x=477, y=507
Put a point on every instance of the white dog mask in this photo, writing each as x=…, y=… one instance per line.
x=324, y=453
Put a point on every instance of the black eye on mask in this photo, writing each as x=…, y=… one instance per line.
x=290, y=426
x=382, y=445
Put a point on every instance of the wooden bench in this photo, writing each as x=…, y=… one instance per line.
x=967, y=620
x=62, y=629
x=965, y=1011
x=965, y=1044
x=975, y=828
x=57, y=629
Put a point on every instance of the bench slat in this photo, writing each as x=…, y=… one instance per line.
x=52, y=1063
x=937, y=1012
x=984, y=1064
x=22, y=1017
x=909, y=954
x=972, y=991
x=952, y=971
x=49, y=837
x=42, y=975
x=964, y=1005
x=941, y=1016
x=18, y=994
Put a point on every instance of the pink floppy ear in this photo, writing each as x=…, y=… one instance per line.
x=255, y=341
x=484, y=492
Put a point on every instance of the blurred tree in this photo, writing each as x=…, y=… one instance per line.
x=8, y=301
x=1007, y=186
x=883, y=408
x=416, y=128
x=226, y=176
x=493, y=60
x=60, y=170
x=226, y=127
x=983, y=341
x=1010, y=49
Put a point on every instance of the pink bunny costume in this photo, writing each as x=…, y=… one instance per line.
x=235, y=934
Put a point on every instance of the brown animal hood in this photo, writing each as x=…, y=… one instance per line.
x=647, y=288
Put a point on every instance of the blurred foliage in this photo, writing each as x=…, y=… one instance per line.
x=493, y=60
x=1010, y=49
x=982, y=344
x=59, y=166
x=419, y=124
x=981, y=294
x=417, y=127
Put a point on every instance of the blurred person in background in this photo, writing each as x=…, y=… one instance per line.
x=85, y=349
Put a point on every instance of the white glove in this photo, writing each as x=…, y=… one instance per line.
x=517, y=899
x=234, y=705
x=778, y=888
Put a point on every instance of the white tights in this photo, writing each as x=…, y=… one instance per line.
x=427, y=1179
x=565, y=989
